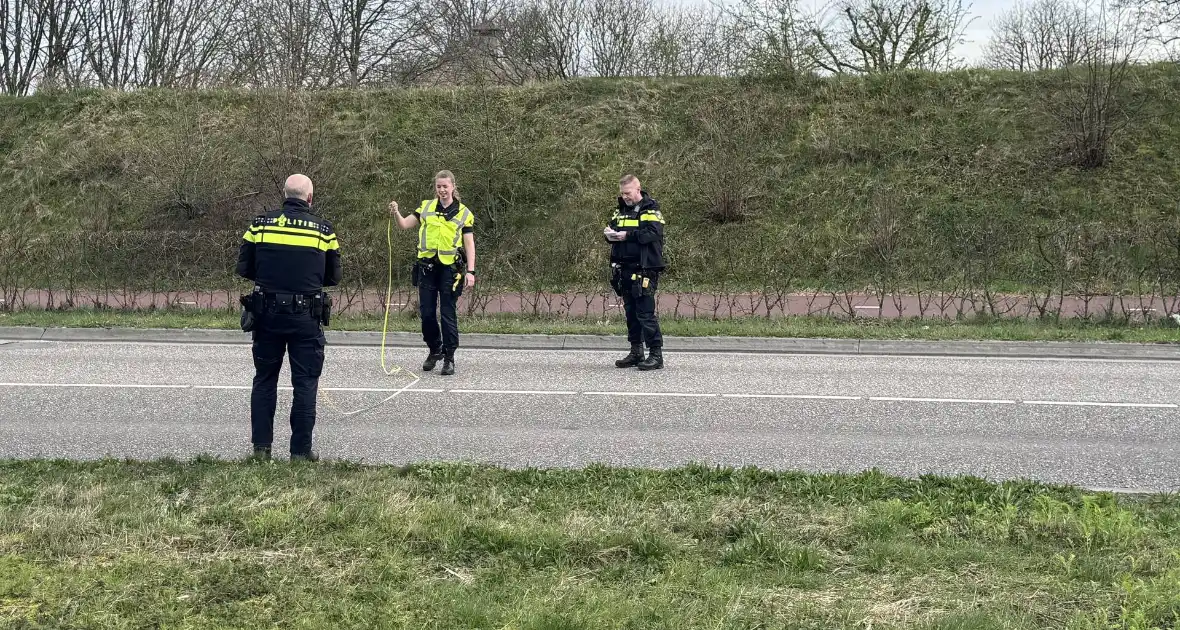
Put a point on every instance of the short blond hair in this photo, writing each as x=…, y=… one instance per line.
x=629, y=178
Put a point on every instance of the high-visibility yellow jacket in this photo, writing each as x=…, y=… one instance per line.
x=440, y=232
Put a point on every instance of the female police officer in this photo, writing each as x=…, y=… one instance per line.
x=442, y=269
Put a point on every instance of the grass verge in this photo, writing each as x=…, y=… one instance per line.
x=804, y=327
x=218, y=544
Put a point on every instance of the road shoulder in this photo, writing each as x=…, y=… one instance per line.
x=716, y=344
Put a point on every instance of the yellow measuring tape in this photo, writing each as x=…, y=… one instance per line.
x=384, y=335
x=388, y=296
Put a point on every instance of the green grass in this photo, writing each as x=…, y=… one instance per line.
x=220, y=544
x=801, y=327
x=912, y=179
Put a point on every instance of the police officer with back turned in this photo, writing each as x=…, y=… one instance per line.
x=636, y=235
x=291, y=255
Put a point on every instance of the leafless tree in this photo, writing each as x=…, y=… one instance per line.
x=370, y=40
x=125, y=44
x=112, y=41
x=454, y=47
x=1155, y=12
x=1039, y=35
x=182, y=39
x=768, y=37
x=22, y=37
x=952, y=18
x=1160, y=20
x=64, y=61
x=685, y=42
x=545, y=39
x=614, y=31
x=867, y=36
x=279, y=43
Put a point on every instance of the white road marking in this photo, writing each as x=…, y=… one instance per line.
x=378, y=390
x=687, y=394
x=541, y=392
x=982, y=401
x=801, y=396
x=558, y=392
x=105, y=385
x=1099, y=404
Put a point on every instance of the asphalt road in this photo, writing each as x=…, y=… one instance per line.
x=1096, y=423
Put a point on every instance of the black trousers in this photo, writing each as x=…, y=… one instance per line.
x=643, y=325
x=300, y=336
x=438, y=296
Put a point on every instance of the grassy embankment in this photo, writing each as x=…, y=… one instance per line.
x=958, y=182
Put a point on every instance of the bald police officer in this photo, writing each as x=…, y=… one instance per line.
x=291, y=255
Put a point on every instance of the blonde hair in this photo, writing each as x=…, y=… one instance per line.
x=627, y=179
x=445, y=174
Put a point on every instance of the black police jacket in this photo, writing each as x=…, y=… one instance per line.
x=644, y=225
x=290, y=251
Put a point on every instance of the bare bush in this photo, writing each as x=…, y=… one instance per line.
x=1093, y=100
x=769, y=37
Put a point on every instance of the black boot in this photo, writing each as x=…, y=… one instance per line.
x=654, y=360
x=449, y=363
x=261, y=453
x=632, y=359
x=309, y=456
x=431, y=360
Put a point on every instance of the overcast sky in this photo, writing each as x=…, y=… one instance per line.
x=981, y=12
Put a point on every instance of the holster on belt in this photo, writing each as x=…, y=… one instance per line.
x=459, y=267
x=321, y=308
x=251, y=309
x=637, y=281
x=616, y=279
x=640, y=282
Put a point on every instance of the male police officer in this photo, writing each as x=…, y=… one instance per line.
x=291, y=255
x=636, y=234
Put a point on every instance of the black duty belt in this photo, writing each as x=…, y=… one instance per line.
x=288, y=302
